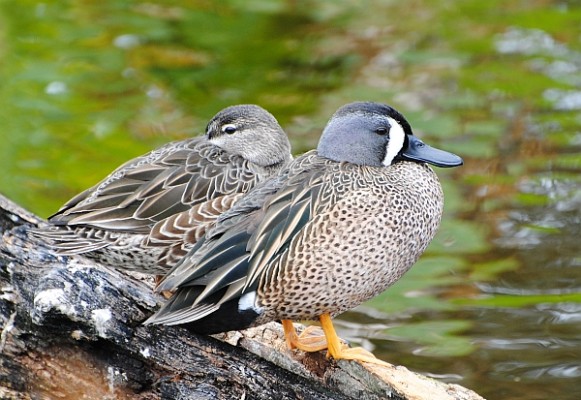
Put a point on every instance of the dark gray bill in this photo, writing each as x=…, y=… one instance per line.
x=419, y=151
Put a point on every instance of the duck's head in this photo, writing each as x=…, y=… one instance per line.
x=251, y=132
x=375, y=134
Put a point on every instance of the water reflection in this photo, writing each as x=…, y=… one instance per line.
x=562, y=313
x=529, y=42
x=512, y=369
x=495, y=303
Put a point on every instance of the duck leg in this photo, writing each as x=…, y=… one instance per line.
x=339, y=351
x=306, y=341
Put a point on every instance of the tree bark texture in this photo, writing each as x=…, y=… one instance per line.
x=72, y=329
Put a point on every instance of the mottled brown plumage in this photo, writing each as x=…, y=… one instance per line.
x=338, y=226
x=382, y=217
x=149, y=211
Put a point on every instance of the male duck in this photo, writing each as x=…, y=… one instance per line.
x=338, y=226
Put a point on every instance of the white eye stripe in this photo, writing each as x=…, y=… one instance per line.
x=396, y=141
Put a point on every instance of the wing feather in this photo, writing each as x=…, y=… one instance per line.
x=157, y=185
x=245, y=241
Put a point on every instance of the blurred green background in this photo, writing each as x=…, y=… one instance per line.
x=495, y=303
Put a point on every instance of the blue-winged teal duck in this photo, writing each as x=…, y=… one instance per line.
x=338, y=226
x=147, y=213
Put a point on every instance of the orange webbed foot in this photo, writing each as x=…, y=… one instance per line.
x=339, y=351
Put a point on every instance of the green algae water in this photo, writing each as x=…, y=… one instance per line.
x=495, y=303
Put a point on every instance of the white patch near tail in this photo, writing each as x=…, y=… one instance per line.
x=248, y=302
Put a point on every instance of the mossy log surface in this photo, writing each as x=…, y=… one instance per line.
x=73, y=329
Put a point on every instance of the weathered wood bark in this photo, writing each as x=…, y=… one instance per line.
x=72, y=329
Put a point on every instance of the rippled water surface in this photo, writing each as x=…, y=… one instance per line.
x=495, y=303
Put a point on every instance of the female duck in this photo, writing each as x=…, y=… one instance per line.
x=148, y=212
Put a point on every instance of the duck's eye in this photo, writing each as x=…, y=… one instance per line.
x=381, y=131
x=229, y=129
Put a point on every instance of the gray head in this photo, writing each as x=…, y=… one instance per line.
x=375, y=134
x=252, y=133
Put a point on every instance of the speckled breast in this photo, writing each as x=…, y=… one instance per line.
x=370, y=226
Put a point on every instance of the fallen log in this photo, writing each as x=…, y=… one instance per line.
x=73, y=329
